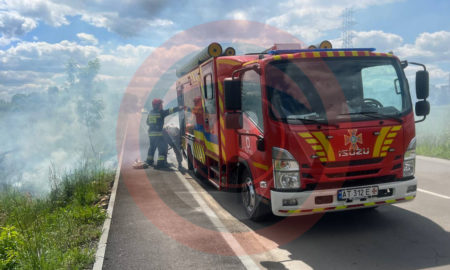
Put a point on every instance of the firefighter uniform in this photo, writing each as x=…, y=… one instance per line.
x=172, y=137
x=155, y=122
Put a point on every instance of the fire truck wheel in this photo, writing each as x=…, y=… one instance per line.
x=255, y=209
x=197, y=169
x=196, y=166
x=190, y=159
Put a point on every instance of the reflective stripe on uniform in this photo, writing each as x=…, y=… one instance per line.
x=161, y=158
x=152, y=119
x=154, y=133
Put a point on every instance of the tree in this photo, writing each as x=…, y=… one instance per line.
x=88, y=104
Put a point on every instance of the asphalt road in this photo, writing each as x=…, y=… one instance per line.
x=169, y=220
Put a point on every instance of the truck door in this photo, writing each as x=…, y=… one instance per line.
x=253, y=124
x=209, y=100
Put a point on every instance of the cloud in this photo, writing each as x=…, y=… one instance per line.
x=124, y=60
x=311, y=20
x=87, y=38
x=312, y=4
x=34, y=66
x=122, y=25
x=126, y=18
x=13, y=25
x=53, y=14
x=307, y=23
x=382, y=41
x=45, y=57
x=437, y=73
x=428, y=47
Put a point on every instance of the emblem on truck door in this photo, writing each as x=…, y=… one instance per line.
x=353, y=140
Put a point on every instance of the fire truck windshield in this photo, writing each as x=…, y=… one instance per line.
x=336, y=89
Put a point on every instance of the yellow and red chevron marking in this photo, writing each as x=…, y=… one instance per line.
x=342, y=207
x=315, y=54
x=320, y=144
x=221, y=122
x=199, y=152
x=384, y=140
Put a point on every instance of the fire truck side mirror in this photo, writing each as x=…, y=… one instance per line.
x=232, y=94
x=422, y=108
x=233, y=120
x=422, y=84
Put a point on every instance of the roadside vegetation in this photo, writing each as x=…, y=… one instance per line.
x=60, y=230
x=433, y=135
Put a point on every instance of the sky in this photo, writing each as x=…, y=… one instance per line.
x=38, y=38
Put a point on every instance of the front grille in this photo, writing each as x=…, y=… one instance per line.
x=353, y=183
x=350, y=174
x=351, y=162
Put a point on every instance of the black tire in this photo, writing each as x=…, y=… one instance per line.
x=194, y=165
x=199, y=169
x=190, y=159
x=254, y=208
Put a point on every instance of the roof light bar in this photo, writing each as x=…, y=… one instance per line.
x=320, y=50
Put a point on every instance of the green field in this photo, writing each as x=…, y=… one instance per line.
x=433, y=135
x=59, y=231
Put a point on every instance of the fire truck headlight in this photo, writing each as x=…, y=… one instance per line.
x=287, y=180
x=286, y=171
x=409, y=159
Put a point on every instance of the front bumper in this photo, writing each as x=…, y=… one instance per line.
x=307, y=199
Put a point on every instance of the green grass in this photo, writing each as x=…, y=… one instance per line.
x=434, y=145
x=433, y=135
x=59, y=231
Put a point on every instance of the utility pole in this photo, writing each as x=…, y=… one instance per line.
x=347, y=28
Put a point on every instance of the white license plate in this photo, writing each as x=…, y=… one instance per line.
x=357, y=193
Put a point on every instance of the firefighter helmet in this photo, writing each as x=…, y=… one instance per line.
x=157, y=103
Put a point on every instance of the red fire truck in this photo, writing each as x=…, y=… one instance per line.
x=301, y=131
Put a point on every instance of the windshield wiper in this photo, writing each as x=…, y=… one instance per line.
x=310, y=121
x=376, y=115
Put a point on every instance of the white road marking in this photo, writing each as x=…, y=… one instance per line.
x=434, y=194
x=101, y=248
x=246, y=260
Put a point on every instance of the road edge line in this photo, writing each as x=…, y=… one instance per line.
x=246, y=260
x=433, y=193
x=101, y=247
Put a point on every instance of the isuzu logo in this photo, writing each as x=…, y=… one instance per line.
x=353, y=140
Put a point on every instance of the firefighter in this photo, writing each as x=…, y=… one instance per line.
x=155, y=122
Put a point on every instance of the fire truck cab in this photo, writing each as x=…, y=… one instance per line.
x=301, y=131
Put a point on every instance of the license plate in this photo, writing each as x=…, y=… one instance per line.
x=357, y=193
